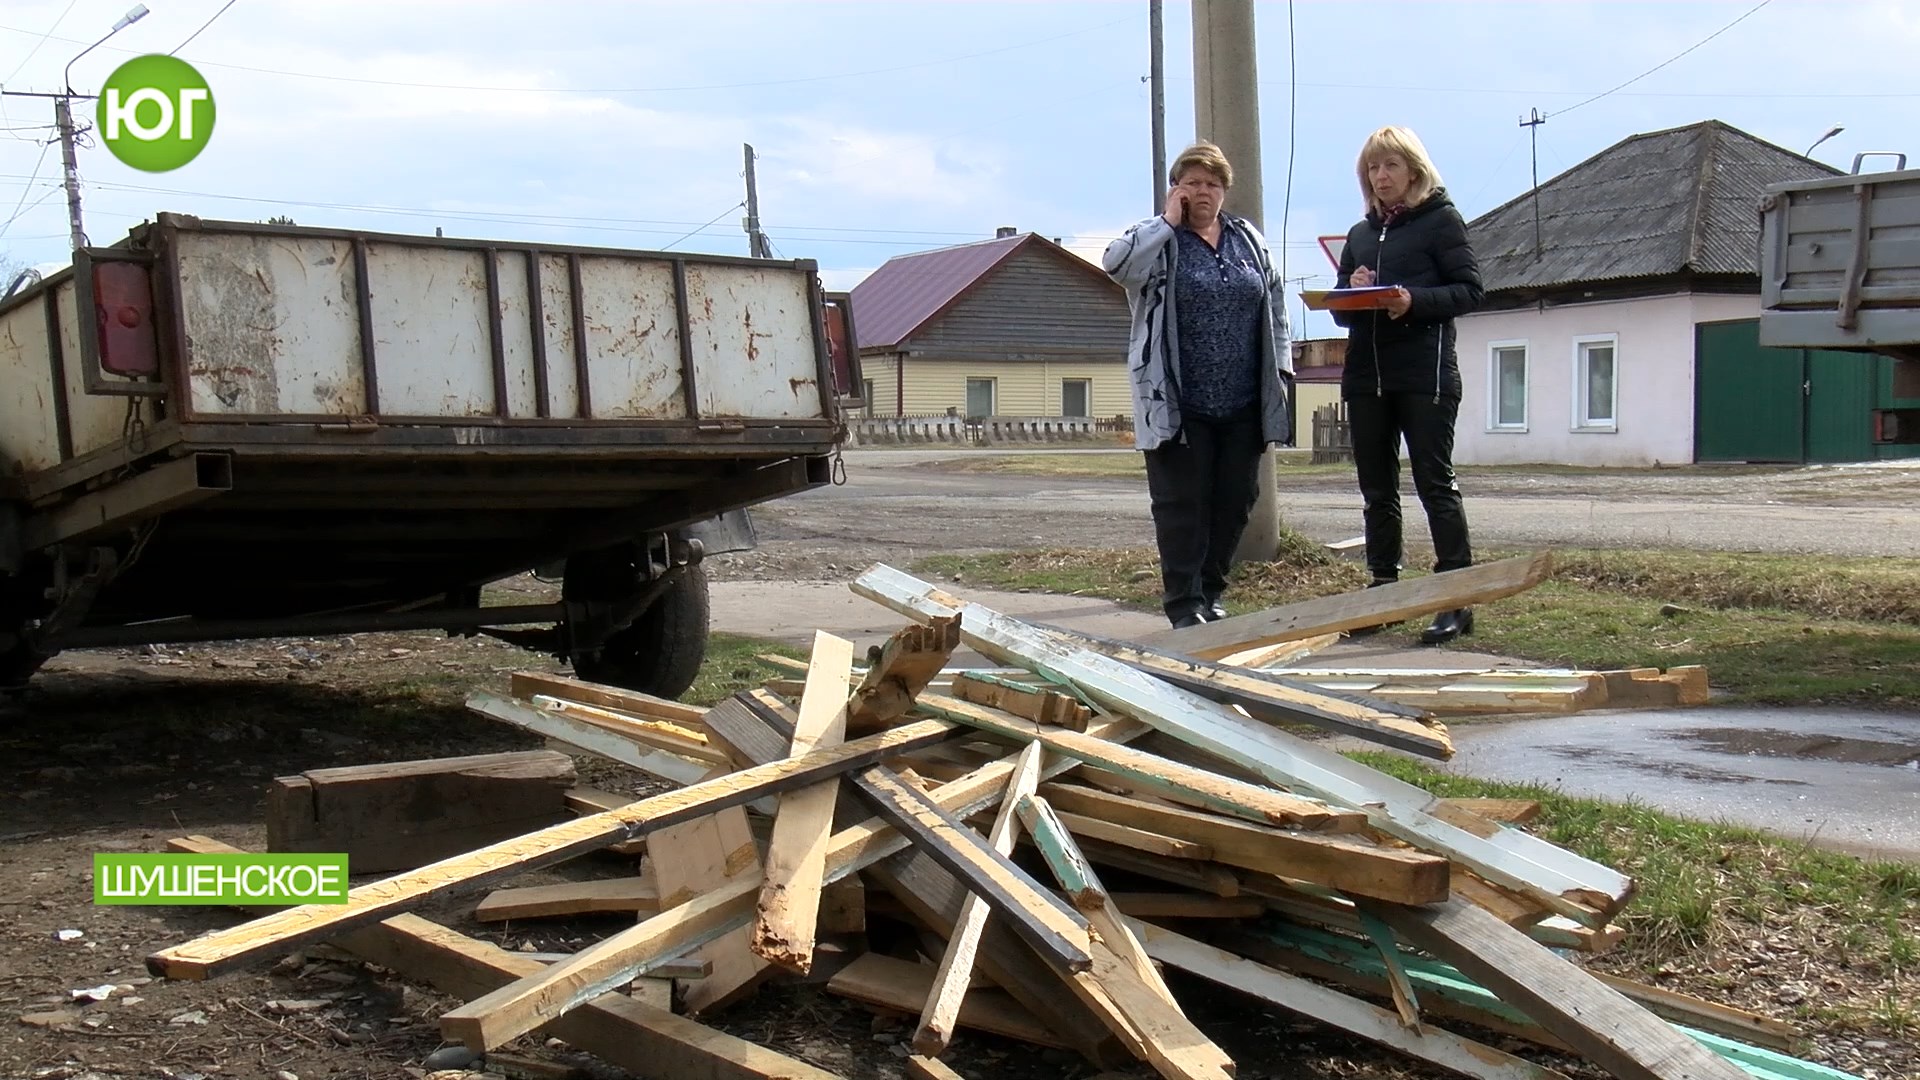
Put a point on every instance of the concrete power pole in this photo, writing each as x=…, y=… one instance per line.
x=757, y=245
x=1157, y=77
x=63, y=119
x=1226, y=112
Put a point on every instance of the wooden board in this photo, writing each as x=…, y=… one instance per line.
x=1410, y=876
x=921, y=1067
x=616, y=896
x=796, y=863
x=1424, y=1043
x=1599, y=1022
x=941, y=1012
x=225, y=950
x=1038, y=705
x=648, y=1042
x=674, y=738
x=407, y=814
x=1410, y=599
x=529, y=684
x=1268, y=697
x=1090, y=828
x=591, y=737
x=1173, y=905
x=899, y=671
x=697, y=857
x=1170, y=778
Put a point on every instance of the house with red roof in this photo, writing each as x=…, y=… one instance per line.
x=1013, y=326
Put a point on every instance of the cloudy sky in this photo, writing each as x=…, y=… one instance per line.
x=885, y=128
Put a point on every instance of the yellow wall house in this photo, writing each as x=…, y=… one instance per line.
x=1013, y=326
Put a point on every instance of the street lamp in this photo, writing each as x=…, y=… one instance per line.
x=1831, y=132
x=63, y=116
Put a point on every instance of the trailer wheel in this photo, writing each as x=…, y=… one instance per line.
x=661, y=653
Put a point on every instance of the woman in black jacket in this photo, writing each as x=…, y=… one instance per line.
x=1402, y=378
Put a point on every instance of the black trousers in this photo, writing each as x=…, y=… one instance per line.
x=1203, y=486
x=1378, y=424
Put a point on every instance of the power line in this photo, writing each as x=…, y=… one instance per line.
x=625, y=89
x=203, y=27
x=27, y=187
x=1657, y=67
x=62, y=17
x=710, y=223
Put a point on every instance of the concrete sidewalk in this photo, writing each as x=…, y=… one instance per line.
x=790, y=611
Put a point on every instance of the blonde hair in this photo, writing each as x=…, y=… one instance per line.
x=1206, y=156
x=1407, y=146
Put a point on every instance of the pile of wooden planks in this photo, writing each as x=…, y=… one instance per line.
x=1028, y=851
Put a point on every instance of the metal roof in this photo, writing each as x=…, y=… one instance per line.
x=908, y=291
x=1684, y=200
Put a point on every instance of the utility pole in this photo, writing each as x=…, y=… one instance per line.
x=757, y=245
x=1532, y=124
x=1226, y=112
x=1157, y=78
x=63, y=118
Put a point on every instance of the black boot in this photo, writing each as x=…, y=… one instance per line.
x=1448, y=625
x=1192, y=618
x=1213, y=612
x=1368, y=631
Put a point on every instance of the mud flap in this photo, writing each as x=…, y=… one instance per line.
x=731, y=531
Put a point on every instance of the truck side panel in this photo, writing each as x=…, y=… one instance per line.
x=563, y=378
x=633, y=340
x=753, y=343
x=29, y=429
x=270, y=326
x=1840, y=262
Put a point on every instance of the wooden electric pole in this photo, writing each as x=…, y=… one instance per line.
x=757, y=245
x=1226, y=112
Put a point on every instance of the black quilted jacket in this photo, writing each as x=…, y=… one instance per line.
x=1426, y=251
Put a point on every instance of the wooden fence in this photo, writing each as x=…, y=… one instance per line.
x=982, y=430
x=1332, y=437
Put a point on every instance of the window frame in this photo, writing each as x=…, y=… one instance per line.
x=993, y=395
x=1087, y=400
x=1581, y=420
x=1494, y=348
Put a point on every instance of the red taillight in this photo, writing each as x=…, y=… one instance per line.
x=123, y=312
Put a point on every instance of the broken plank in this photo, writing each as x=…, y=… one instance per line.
x=796, y=856
x=591, y=737
x=1410, y=599
x=1249, y=801
x=900, y=670
x=1402, y=874
x=950, y=979
x=1425, y=1043
x=621, y=896
x=213, y=953
x=1279, y=656
x=1137, y=839
x=404, y=814
x=1039, y=705
x=1505, y=811
x=585, y=800
x=648, y=1042
x=921, y=1067
x=529, y=684
x=1574, y=886
x=1206, y=877
x=526, y=1004
x=1273, y=699
x=1708, y=1016
x=659, y=734
x=1083, y=887
x=698, y=856
x=1597, y=1021
x=1052, y=928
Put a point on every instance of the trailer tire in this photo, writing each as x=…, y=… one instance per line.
x=661, y=653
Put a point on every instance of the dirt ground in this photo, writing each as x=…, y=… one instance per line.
x=120, y=750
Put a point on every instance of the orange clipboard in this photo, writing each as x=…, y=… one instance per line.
x=1365, y=299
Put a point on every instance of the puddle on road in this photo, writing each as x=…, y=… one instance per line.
x=1788, y=744
x=1679, y=770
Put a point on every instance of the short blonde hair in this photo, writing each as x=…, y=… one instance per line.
x=1403, y=143
x=1205, y=155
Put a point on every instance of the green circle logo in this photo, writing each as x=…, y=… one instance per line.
x=155, y=113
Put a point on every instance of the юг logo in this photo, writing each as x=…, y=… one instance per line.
x=155, y=113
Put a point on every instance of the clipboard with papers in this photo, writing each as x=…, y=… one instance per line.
x=1363, y=299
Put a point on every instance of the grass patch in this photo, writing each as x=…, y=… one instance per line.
x=1712, y=890
x=733, y=665
x=1796, y=630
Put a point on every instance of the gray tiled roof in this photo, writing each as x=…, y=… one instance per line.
x=1686, y=200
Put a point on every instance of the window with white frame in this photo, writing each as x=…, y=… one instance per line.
x=1596, y=382
x=980, y=397
x=1076, y=397
x=1507, y=386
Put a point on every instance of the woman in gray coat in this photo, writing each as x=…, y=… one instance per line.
x=1212, y=370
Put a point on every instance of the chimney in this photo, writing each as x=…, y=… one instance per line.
x=1005, y=232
